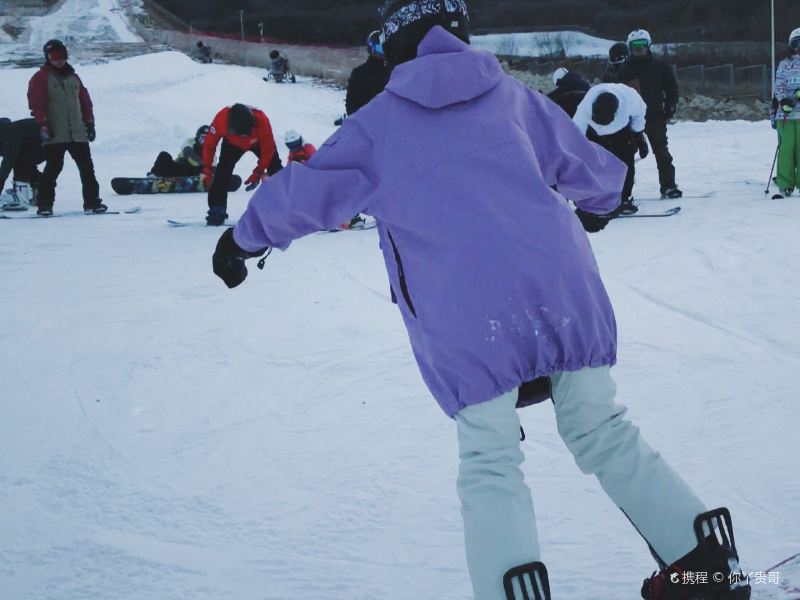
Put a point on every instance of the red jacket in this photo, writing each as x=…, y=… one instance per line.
x=260, y=137
x=302, y=155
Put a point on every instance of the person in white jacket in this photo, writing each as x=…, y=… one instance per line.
x=613, y=115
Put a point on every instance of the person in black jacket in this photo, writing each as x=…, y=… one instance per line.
x=618, y=54
x=655, y=82
x=367, y=80
x=21, y=149
x=570, y=90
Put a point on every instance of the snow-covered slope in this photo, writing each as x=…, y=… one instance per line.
x=162, y=437
x=543, y=43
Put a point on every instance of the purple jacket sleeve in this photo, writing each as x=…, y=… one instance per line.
x=335, y=184
x=581, y=170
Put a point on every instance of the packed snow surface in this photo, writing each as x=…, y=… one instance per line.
x=163, y=437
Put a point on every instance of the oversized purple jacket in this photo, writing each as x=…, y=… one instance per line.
x=495, y=277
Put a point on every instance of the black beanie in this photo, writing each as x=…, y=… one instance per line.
x=240, y=120
x=604, y=108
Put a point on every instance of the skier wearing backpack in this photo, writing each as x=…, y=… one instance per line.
x=496, y=283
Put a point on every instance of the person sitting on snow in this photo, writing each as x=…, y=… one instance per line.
x=189, y=161
x=202, y=53
x=299, y=151
x=279, y=67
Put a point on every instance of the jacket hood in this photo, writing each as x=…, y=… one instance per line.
x=446, y=71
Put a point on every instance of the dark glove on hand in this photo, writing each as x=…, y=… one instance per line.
x=669, y=110
x=641, y=144
x=44, y=132
x=228, y=260
x=591, y=222
x=90, y=132
x=787, y=105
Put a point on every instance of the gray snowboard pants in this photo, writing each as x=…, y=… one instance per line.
x=499, y=521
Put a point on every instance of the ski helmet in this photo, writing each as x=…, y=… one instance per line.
x=639, y=38
x=604, y=108
x=274, y=54
x=794, y=39
x=56, y=46
x=240, y=120
x=404, y=23
x=200, y=136
x=618, y=53
x=293, y=140
x=558, y=74
x=374, y=45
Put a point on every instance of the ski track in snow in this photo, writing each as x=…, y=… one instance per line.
x=164, y=437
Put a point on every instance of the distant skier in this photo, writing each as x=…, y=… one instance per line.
x=63, y=109
x=367, y=80
x=189, y=161
x=21, y=149
x=299, y=151
x=613, y=115
x=787, y=119
x=202, y=53
x=570, y=88
x=279, y=67
x=241, y=129
x=497, y=285
x=617, y=55
x=655, y=82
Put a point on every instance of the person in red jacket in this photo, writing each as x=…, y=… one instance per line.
x=63, y=109
x=241, y=129
x=298, y=151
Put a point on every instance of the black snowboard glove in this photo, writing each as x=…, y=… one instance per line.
x=641, y=144
x=228, y=260
x=91, y=134
x=787, y=104
x=591, y=222
x=669, y=109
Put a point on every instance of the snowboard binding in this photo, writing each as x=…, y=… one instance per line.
x=527, y=582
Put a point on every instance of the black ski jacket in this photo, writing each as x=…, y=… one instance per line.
x=569, y=92
x=654, y=81
x=366, y=82
x=13, y=134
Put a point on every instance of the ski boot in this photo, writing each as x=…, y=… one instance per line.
x=709, y=572
x=672, y=193
x=783, y=194
x=94, y=208
x=628, y=207
x=527, y=582
x=216, y=216
x=45, y=210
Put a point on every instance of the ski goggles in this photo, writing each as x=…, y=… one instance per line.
x=58, y=54
x=794, y=44
x=639, y=44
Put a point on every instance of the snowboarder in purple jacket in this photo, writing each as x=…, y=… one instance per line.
x=469, y=175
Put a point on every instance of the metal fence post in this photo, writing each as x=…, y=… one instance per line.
x=702, y=79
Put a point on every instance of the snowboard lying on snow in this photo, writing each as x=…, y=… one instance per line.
x=165, y=185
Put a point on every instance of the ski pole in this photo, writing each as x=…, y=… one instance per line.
x=774, y=160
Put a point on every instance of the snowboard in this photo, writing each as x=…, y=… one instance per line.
x=173, y=223
x=72, y=213
x=684, y=197
x=165, y=185
x=360, y=226
x=664, y=213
